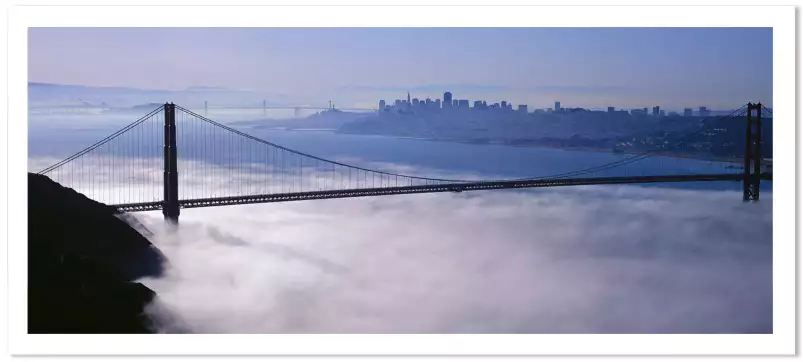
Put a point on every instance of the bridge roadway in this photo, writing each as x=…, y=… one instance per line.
x=452, y=187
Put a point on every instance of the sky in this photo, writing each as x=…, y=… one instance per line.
x=583, y=67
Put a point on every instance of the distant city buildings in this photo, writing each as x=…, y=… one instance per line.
x=449, y=104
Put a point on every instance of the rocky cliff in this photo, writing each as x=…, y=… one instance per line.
x=83, y=259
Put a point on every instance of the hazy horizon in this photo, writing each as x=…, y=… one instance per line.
x=674, y=68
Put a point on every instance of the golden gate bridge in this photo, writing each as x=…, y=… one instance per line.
x=174, y=158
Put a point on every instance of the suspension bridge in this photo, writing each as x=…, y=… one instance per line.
x=142, y=168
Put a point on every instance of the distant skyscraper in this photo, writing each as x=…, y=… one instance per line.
x=408, y=97
x=611, y=109
x=704, y=112
x=455, y=103
x=438, y=103
x=662, y=113
x=415, y=101
x=504, y=104
x=463, y=103
x=447, y=98
x=687, y=112
x=381, y=104
x=557, y=106
x=523, y=108
x=478, y=104
x=656, y=111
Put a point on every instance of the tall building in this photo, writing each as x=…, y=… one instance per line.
x=381, y=104
x=557, y=107
x=687, y=112
x=523, y=108
x=478, y=104
x=415, y=101
x=454, y=103
x=438, y=103
x=656, y=111
x=408, y=97
x=463, y=103
x=704, y=112
x=662, y=113
x=447, y=98
x=504, y=104
x=611, y=109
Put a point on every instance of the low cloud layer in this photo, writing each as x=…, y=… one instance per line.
x=605, y=259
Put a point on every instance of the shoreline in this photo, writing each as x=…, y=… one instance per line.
x=571, y=149
x=551, y=147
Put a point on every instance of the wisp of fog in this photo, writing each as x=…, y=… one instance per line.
x=604, y=259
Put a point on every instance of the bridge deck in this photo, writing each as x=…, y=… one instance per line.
x=455, y=187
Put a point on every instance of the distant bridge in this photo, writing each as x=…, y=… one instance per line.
x=315, y=108
x=223, y=166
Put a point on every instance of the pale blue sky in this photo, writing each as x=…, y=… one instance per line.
x=590, y=67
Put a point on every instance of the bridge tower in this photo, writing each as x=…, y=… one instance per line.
x=752, y=153
x=170, y=208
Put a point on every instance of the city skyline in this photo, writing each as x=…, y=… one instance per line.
x=632, y=67
x=460, y=103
